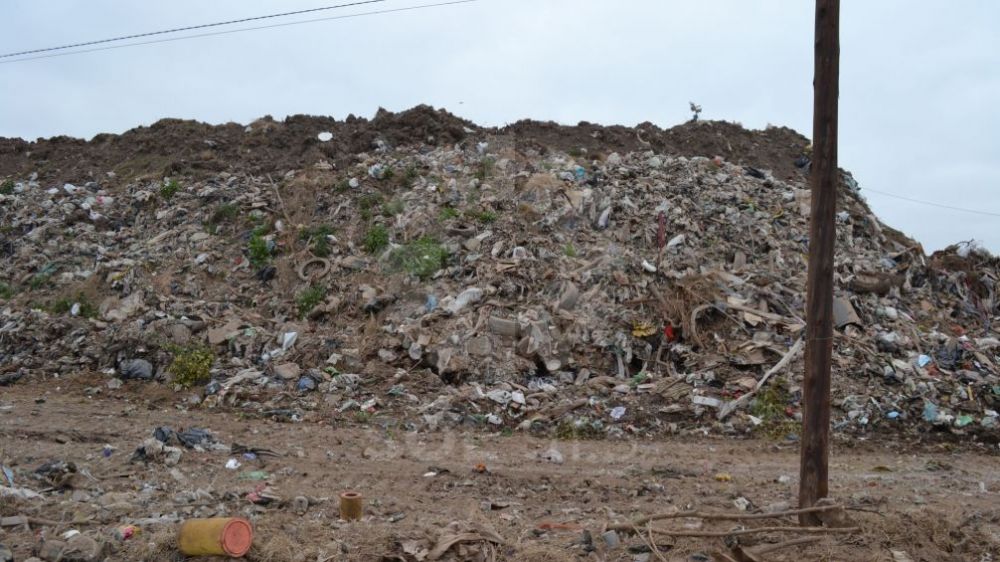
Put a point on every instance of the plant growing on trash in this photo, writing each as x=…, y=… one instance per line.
x=223, y=213
x=769, y=406
x=169, y=189
x=258, y=248
x=449, y=213
x=317, y=237
x=484, y=169
x=7, y=291
x=65, y=305
x=580, y=428
x=422, y=258
x=40, y=280
x=410, y=176
x=310, y=298
x=191, y=365
x=376, y=239
x=485, y=217
x=392, y=208
x=7, y=187
x=367, y=203
x=569, y=250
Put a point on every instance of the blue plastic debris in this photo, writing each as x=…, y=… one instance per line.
x=923, y=360
x=306, y=384
x=930, y=412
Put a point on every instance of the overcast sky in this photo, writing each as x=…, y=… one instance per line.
x=920, y=81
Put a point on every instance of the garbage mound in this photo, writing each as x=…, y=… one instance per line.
x=416, y=268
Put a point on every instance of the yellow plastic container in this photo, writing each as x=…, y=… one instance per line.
x=218, y=536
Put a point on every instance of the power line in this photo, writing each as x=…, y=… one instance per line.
x=188, y=28
x=210, y=34
x=931, y=203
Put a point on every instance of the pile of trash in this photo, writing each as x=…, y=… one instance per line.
x=432, y=273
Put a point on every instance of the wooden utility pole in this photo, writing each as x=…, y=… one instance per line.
x=815, y=451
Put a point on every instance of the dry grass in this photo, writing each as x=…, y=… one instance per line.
x=155, y=546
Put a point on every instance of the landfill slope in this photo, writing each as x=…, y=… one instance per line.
x=422, y=272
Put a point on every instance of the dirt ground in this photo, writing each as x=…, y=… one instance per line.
x=930, y=503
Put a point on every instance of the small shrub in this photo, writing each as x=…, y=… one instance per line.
x=7, y=187
x=570, y=251
x=308, y=299
x=571, y=429
x=317, y=235
x=260, y=253
x=770, y=407
x=40, y=280
x=169, y=189
x=65, y=305
x=6, y=291
x=376, y=239
x=222, y=214
x=367, y=203
x=575, y=152
x=191, y=365
x=392, y=208
x=449, y=213
x=484, y=169
x=410, y=175
x=422, y=258
x=225, y=212
x=342, y=186
x=485, y=217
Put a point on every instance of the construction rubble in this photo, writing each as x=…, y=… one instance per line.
x=424, y=273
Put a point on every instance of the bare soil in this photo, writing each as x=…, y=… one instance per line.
x=935, y=503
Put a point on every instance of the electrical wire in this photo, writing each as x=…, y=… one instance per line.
x=214, y=33
x=931, y=203
x=188, y=28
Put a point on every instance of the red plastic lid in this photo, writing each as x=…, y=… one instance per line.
x=237, y=536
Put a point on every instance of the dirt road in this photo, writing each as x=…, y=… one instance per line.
x=933, y=504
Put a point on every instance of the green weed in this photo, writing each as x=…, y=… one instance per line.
x=191, y=365
x=7, y=187
x=65, y=305
x=317, y=236
x=770, y=407
x=410, y=175
x=7, y=291
x=367, y=204
x=579, y=429
x=258, y=249
x=422, y=258
x=484, y=169
x=392, y=208
x=449, y=213
x=376, y=239
x=570, y=251
x=485, y=217
x=309, y=298
x=225, y=212
x=40, y=280
x=169, y=189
